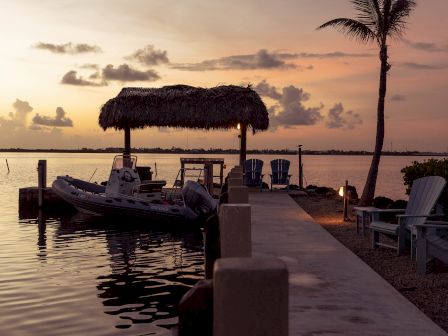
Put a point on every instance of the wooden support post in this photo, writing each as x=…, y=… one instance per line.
x=243, y=144
x=346, y=200
x=250, y=297
x=127, y=146
x=41, y=181
x=235, y=230
x=300, y=168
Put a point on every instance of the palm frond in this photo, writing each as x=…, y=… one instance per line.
x=369, y=13
x=400, y=11
x=352, y=28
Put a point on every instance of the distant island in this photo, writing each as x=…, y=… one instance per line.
x=177, y=150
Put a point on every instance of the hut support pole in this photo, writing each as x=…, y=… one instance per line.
x=127, y=141
x=243, y=144
x=127, y=147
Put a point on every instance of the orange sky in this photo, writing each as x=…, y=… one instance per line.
x=61, y=60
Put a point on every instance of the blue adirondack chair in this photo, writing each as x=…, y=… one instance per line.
x=252, y=173
x=280, y=176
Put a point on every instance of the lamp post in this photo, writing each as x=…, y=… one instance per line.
x=343, y=191
x=300, y=168
x=243, y=142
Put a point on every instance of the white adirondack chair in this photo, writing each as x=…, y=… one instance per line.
x=430, y=245
x=424, y=194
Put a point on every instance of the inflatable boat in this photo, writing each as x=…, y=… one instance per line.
x=125, y=195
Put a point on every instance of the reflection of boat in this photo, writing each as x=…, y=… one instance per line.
x=126, y=196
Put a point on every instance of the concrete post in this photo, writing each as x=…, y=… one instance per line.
x=239, y=194
x=235, y=182
x=41, y=181
x=250, y=297
x=235, y=174
x=235, y=230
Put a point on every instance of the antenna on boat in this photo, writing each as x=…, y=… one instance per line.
x=93, y=174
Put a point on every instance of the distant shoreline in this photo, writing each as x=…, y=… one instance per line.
x=175, y=150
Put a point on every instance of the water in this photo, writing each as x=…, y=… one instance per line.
x=84, y=276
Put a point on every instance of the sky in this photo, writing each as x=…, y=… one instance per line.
x=62, y=60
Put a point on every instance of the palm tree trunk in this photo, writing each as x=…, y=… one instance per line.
x=369, y=188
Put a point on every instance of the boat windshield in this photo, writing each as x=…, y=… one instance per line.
x=121, y=161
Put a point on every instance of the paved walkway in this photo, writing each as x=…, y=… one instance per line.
x=332, y=292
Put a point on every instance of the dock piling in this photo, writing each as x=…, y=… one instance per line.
x=41, y=181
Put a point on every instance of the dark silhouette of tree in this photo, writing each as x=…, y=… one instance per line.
x=377, y=20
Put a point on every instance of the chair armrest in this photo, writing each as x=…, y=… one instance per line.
x=385, y=210
x=422, y=229
x=410, y=216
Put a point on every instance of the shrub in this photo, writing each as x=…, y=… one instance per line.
x=431, y=167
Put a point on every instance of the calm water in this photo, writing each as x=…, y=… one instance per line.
x=84, y=276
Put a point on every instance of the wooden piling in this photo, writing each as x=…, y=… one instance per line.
x=41, y=181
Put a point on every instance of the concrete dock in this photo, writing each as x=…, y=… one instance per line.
x=331, y=291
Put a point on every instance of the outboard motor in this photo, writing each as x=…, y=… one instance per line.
x=198, y=199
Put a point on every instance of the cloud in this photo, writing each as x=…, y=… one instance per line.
x=263, y=59
x=289, y=110
x=125, y=73
x=89, y=66
x=398, y=97
x=22, y=109
x=60, y=120
x=335, y=54
x=427, y=46
x=419, y=66
x=149, y=56
x=339, y=118
x=72, y=78
x=68, y=48
x=264, y=89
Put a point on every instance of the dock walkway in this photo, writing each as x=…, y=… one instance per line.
x=331, y=291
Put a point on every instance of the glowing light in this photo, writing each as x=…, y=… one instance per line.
x=341, y=191
x=238, y=127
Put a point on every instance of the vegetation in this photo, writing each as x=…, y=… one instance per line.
x=377, y=20
x=432, y=167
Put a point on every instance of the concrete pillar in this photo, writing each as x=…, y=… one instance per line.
x=235, y=174
x=250, y=297
x=235, y=230
x=239, y=194
x=235, y=181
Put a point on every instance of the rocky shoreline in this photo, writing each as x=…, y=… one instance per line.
x=429, y=292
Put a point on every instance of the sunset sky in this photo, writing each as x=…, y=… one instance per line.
x=61, y=60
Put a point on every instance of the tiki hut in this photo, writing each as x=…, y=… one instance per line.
x=221, y=107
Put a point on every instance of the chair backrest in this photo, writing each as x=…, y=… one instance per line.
x=252, y=172
x=280, y=170
x=425, y=192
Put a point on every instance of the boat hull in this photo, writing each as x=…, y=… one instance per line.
x=91, y=198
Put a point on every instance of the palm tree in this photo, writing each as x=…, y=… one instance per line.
x=377, y=20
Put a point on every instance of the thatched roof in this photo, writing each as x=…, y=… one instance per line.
x=185, y=106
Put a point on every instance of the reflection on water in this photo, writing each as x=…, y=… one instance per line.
x=136, y=273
